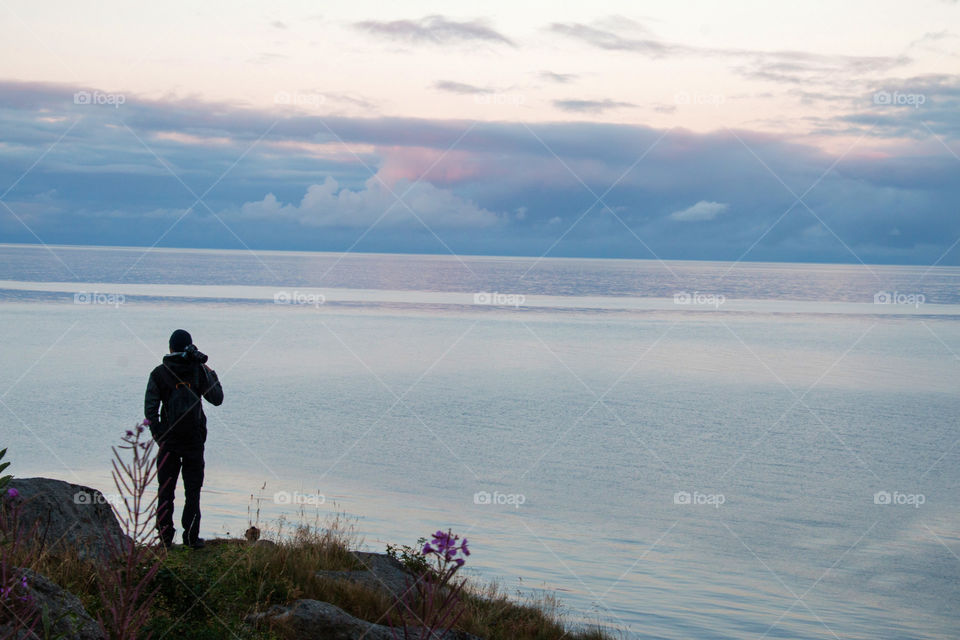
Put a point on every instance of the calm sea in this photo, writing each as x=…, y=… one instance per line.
x=679, y=449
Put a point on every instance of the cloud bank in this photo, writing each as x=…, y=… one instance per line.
x=329, y=205
x=278, y=179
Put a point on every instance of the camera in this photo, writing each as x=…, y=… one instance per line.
x=194, y=354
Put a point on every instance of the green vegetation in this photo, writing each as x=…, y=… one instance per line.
x=206, y=594
x=410, y=557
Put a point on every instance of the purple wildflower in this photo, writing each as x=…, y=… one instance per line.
x=435, y=600
x=12, y=493
x=444, y=542
x=445, y=546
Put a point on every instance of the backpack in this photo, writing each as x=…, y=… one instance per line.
x=182, y=413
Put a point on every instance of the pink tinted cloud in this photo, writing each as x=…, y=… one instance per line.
x=460, y=166
x=430, y=165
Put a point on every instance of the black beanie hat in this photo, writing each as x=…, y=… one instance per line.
x=180, y=340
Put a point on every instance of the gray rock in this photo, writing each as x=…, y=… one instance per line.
x=66, y=514
x=315, y=620
x=379, y=572
x=69, y=620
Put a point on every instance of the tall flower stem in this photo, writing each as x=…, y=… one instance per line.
x=126, y=578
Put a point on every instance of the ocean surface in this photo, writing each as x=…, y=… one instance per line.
x=684, y=450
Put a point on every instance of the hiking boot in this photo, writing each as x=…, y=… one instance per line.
x=194, y=544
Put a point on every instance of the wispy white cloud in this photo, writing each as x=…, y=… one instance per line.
x=459, y=87
x=703, y=210
x=782, y=66
x=559, y=78
x=435, y=29
x=591, y=106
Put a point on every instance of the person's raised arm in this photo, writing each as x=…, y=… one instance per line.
x=212, y=391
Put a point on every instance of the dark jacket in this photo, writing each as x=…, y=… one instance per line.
x=177, y=367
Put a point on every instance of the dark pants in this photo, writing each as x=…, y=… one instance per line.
x=169, y=465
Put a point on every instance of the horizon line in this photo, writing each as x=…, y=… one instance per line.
x=146, y=249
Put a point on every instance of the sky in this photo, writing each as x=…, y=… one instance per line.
x=780, y=131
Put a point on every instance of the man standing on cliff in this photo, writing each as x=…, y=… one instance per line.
x=173, y=409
